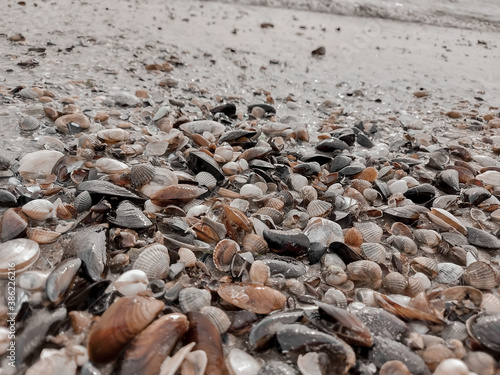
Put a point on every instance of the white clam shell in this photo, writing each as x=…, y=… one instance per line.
x=154, y=261
x=38, y=164
x=131, y=283
x=21, y=252
x=251, y=192
x=398, y=187
x=206, y=179
x=39, y=209
x=107, y=165
x=193, y=299
x=240, y=362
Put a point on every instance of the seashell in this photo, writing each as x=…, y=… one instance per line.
x=29, y=123
x=252, y=297
x=128, y=215
x=360, y=185
x=200, y=127
x=251, y=192
x=83, y=201
x=480, y=363
x=318, y=208
x=371, y=232
x=154, y=261
x=119, y=324
x=480, y=275
x=435, y=354
x=193, y=299
x=403, y=244
x=308, y=194
x=476, y=195
x=353, y=238
x=124, y=99
x=394, y=283
x=206, y=179
x=398, y=187
x=489, y=178
x=386, y=173
x=199, y=161
x=446, y=220
x=275, y=203
x=187, y=257
x=490, y=304
x=332, y=144
x=231, y=168
x=448, y=181
x=177, y=194
x=425, y=265
x=255, y=244
x=32, y=281
x=406, y=214
x=400, y=229
x=339, y=162
x=223, y=153
x=365, y=273
x=149, y=349
x=286, y=242
x=323, y=231
x=39, y=209
x=334, y=275
x=394, y=368
x=107, y=165
x=42, y=235
x=131, y=283
x=106, y=188
x=21, y=252
x=13, y=223
x=427, y=237
x=372, y=196
x=259, y=272
x=223, y=254
x=38, y=164
x=112, y=136
x=63, y=122
x=449, y=273
x=335, y=297
x=240, y=362
x=485, y=330
x=414, y=287
x=368, y=174
x=218, y=317
x=374, y=252
x=481, y=238
x=274, y=214
x=60, y=280
x=141, y=174
x=295, y=219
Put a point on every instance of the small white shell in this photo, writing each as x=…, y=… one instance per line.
x=374, y=251
x=319, y=208
x=335, y=297
x=446, y=220
x=187, y=257
x=113, y=135
x=371, y=232
x=240, y=362
x=193, y=299
x=32, y=281
x=131, y=283
x=22, y=252
x=154, y=261
x=206, y=179
x=107, y=165
x=223, y=153
x=39, y=209
x=490, y=304
x=218, y=317
x=251, y=192
x=231, y=168
x=398, y=187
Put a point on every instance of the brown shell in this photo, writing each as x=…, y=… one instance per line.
x=259, y=272
x=224, y=253
x=400, y=229
x=425, y=265
x=480, y=275
x=119, y=324
x=42, y=235
x=446, y=220
x=374, y=251
x=365, y=273
x=13, y=223
x=141, y=174
x=255, y=244
x=273, y=213
x=252, y=297
x=394, y=283
x=80, y=119
x=275, y=203
x=369, y=174
x=360, y=185
x=176, y=194
x=353, y=237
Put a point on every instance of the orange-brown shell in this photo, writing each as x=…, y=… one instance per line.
x=176, y=194
x=255, y=298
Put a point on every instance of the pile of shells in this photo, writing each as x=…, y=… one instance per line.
x=227, y=240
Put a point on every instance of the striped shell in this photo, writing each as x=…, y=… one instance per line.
x=273, y=213
x=318, y=208
x=141, y=174
x=308, y=193
x=107, y=165
x=480, y=275
x=425, y=265
x=39, y=209
x=490, y=304
x=224, y=253
x=259, y=272
x=29, y=123
x=371, y=232
x=42, y=235
x=218, y=317
x=206, y=179
x=414, y=287
x=278, y=204
x=374, y=251
x=395, y=283
x=187, y=257
x=83, y=201
x=255, y=244
x=449, y=273
x=335, y=297
x=154, y=261
x=251, y=192
x=194, y=299
x=446, y=220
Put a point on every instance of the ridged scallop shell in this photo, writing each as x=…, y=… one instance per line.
x=490, y=304
x=141, y=174
x=83, y=201
x=107, y=165
x=131, y=283
x=372, y=196
x=249, y=191
x=386, y=173
x=427, y=237
x=449, y=273
x=154, y=261
x=395, y=283
x=480, y=275
x=218, y=317
x=262, y=186
x=193, y=299
x=22, y=252
x=274, y=214
x=425, y=265
x=374, y=251
x=403, y=244
x=42, y=235
x=223, y=254
x=13, y=223
x=335, y=297
x=259, y=272
x=39, y=209
x=29, y=123
x=308, y=193
x=446, y=220
x=206, y=179
x=365, y=273
x=318, y=208
x=255, y=244
x=176, y=194
x=414, y=287
x=371, y=232
x=278, y=204
x=111, y=136
x=187, y=257
x=400, y=229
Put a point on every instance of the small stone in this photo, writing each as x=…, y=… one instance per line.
x=420, y=94
x=101, y=117
x=454, y=114
x=320, y=51
x=28, y=93
x=141, y=94
x=45, y=99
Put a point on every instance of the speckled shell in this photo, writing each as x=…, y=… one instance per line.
x=218, y=317
x=154, y=261
x=193, y=299
x=39, y=209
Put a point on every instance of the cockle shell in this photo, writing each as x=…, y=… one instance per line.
x=335, y=297
x=480, y=275
x=83, y=201
x=206, y=179
x=223, y=254
x=42, y=235
x=374, y=251
x=255, y=244
x=154, y=261
x=187, y=257
x=141, y=174
x=395, y=283
x=23, y=253
x=365, y=273
x=252, y=297
x=29, y=123
x=425, y=265
x=449, y=273
x=39, y=209
x=318, y=208
x=259, y=272
x=218, y=317
x=194, y=299
x=119, y=324
x=371, y=232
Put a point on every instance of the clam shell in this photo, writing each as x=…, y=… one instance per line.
x=38, y=164
x=112, y=136
x=255, y=244
x=449, y=273
x=371, y=232
x=414, y=287
x=13, y=222
x=365, y=273
x=128, y=215
x=200, y=127
x=187, y=257
x=425, y=265
x=83, y=201
x=42, y=235
x=374, y=251
x=22, y=252
x=480, y=363
x=107, y=165
x=427, y=237
x=223, y=153
x=193, y=299
x=386, y=173
x=481, y=238
x=278, y=204
x=131, y=283
x=335, y=297
x=32, y=281
x=259, y=272
x=206, y=179
x=249, y=191
x=372, y=196
x=39, y=209
x=61, y=280
x=223, y=254
x=177, y=194
x=141, y=174
x=334, y=275
x=490, y=304
x=318, y=208
x=446, y=220
x=252, y=297
x=308, y=193
x=29, y=123
x=490, y=178
x=398, y=187
x=154, y=261
x=395, y=283
x=218, y=317
x=403, y=244
x=480, y=275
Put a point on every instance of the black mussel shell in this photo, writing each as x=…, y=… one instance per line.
x=200, y=162
x=332, y=144
x=100, y=187
x=448, y=181
x=351, y=170
x=307, y=169
x=477, y=195
x=347, y=254
x=318, y=158
x=287, y=243
x=409, y=161
x=229, y=109
x=406, y=214
x=83, y=295
x=339, y=162
x=238, y=136
x=479, y=237
x=438, y=159
x=261, y=164
x=7, y=199
x=382, y=188
x=316, y=251
x=347, y=135
x=270, y=110
x=265, y=330
x=421, y=194
x=286, y=267
x=364, y=141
